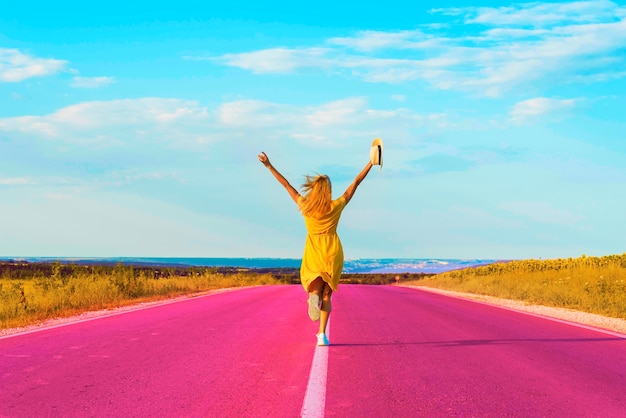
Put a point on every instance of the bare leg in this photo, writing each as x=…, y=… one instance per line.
x=326, y=308
x=317, y=286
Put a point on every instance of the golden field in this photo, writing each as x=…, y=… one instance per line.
x=38, y=292
x=30, y=293
x=34, y=292
x=588, y=284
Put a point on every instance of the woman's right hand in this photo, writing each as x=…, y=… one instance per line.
x=263, y=158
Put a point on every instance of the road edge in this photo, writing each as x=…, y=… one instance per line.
x=612, y=326
x=105, y=313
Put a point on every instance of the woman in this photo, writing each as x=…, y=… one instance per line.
x=322, y=261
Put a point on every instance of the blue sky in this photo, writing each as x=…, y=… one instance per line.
x=132, y=129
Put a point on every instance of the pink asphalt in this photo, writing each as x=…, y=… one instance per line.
x=395, y=352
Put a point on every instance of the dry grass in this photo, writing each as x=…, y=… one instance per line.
x=589, y=284
x=28, y=300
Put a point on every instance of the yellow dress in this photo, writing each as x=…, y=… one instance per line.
x=323, y=253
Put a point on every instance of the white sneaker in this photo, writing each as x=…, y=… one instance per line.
x=314, y=307
x=322, y=339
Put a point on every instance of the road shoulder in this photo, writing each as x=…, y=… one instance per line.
x=592, y=320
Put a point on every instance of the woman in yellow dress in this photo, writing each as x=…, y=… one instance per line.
x=322, y=261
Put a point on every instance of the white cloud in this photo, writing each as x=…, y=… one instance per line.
x=115, y=122
x=373, y=40
x=497, y=50
x=17, y=66
x=512, y=33
x=599, y=77
x=155, y=124
x=278, y=60
x=324, y=125
x=537, y=107
x=15, y=181
x=543, y=212
x=131, y=175
x=58, y=196
x=253, y=113
x=91, y=82
x=539, y=14
x=336, y=113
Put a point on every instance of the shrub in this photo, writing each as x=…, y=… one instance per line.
x=590, y=284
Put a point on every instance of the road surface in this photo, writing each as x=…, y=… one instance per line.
x=395, y=352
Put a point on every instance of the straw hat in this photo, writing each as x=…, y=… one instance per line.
x=376, y=152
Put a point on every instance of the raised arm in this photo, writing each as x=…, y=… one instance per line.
x=282, y=180
x=358, y=179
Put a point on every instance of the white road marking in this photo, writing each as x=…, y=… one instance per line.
x=315, y=396
x=121, y=311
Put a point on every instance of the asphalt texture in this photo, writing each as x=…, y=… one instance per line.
x=395, y=352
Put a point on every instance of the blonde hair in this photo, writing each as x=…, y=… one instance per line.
x=317, y=196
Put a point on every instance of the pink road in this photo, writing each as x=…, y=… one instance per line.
x=395, y=352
